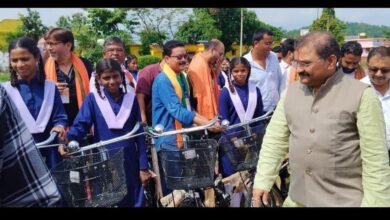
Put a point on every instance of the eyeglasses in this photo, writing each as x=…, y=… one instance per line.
x=303, y=64
x=374, y=70
x=54, y=43
x=180, y=57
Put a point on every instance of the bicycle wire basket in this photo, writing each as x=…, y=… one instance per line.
x=95, y=178
x=242, y=147
x=190, y=168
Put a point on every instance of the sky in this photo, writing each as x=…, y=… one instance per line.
x=286, y=18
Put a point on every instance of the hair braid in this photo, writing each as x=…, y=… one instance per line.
x=14, y=77
x=97, y=85
x=231, y=87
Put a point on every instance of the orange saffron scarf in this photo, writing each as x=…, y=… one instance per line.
x=81, y=76
x=172, y=76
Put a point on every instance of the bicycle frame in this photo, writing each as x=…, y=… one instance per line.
x=154, y=134
x=243, y=170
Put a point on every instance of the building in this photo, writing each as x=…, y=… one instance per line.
x=368, y=43
x=8, y=26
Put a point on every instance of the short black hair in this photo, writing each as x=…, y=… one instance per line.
x=381, y=51
x=287, y=45
x=259, y=34
x=170, y=45
x=113, y=40
x=352, y=47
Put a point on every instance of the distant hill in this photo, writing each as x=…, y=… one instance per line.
x=353, y=28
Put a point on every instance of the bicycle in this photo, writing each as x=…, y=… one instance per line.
x=241, y=143
x=186, y=171
x=92, y=176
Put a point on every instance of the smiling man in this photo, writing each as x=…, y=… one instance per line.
x=171, y=107
x=378, y=61
x=333, y=128
x=69, y=71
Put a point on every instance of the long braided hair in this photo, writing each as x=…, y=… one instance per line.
x=108, y=64
x=235, y=61
x=31, y=46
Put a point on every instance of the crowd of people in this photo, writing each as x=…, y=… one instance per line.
x=331, y=116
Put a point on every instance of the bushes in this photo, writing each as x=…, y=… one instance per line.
x=4, y=77
x=146, y=60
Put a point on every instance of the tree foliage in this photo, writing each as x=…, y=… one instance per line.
x=148, y=37
x=147, y=60
x=98, y=24
x=161, y=20
x=200, y=26
x=328, y=22
x=227, y=22
x=31, y=26
x=355, y=28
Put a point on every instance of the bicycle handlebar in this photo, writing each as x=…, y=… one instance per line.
x=260, y=118
x=183, y=130
x=52, y=137
x=129, y=135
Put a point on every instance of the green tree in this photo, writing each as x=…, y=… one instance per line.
x=200, y=26
x=32, y=25
x=150, y=36
x=64, y=22
x=98, y=24
x=387, y=34
x=228, y=21
x=108, y=22
x=328, y=22
x=251, y=24
x=161, y=20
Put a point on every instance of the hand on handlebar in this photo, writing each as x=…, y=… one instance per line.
x=61, y=132
x=63, y=151
x=216, y=128
x=145, y=176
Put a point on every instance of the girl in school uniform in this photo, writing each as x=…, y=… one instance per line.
x=113, y=112
x=132, y=65
x=38, y=100
x=239, y=101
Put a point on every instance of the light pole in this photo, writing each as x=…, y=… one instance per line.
x=242, y=22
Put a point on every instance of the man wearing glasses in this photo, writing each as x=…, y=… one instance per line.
x=69, y=71
x=378, y=62
x=171, y=107
x=334, y=130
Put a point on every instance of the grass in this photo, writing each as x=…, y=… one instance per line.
x=4, y=77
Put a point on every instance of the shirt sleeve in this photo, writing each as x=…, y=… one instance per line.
x=274, y=148
x=59, y=116
x=259, y=106
x=140, y=140
x=143, y=83
x=376, y=169
x=223, y=105
x=83, y=121
x=282, y=80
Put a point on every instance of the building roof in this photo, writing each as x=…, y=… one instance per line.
x=9, y=25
